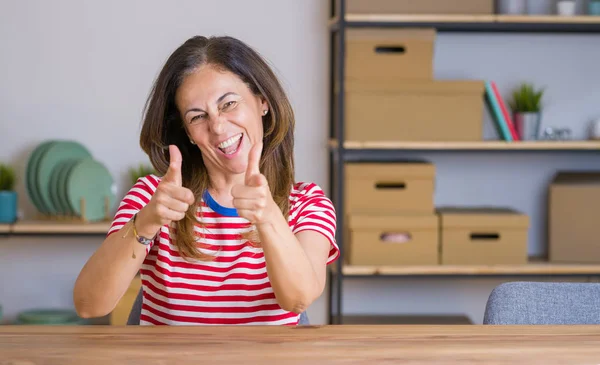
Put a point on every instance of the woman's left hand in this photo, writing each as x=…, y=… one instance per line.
x=253, y=199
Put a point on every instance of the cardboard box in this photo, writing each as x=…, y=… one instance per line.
x=392, y=240
x=390, y=188
x=459, y=7
x=436, y=110
x=389, y=54
x=483, y=236
x=574, y=217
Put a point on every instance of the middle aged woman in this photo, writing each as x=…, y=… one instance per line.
x=226, y=235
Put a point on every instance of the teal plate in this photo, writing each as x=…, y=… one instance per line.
x=31, y=175
x=54, y=155
x=54, y=187
x=48, y=316
x=90, y=180
x=62, y=187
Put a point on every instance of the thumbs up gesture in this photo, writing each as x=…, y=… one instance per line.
x=171, y=200
x=253, y=199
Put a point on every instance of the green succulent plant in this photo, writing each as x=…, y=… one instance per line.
x=140, y=171
x=7, y=178
x=526, y=99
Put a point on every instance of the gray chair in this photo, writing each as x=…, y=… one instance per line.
x=540, y=303
x=136, y=311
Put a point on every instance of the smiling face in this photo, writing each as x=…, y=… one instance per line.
x=222, y=117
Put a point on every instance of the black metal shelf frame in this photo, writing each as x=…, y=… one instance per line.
x=475, y=26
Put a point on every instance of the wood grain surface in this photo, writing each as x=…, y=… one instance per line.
x=479, y=145
x=384, y=344
x=442, y=270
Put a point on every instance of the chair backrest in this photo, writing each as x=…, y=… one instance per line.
x=136, y=312
x=136, y=309
x=537, y=303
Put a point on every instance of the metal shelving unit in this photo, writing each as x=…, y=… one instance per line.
x=342, y=151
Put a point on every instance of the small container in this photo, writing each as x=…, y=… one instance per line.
x=8, y=206
x=594, y=7
x=595, y=129
x=512, y=7
x=528, y=125
x=566, y=7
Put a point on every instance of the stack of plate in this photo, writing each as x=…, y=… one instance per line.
x=61, y=174
x=49, y=317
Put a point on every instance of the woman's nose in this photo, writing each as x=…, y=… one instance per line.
x=217, y=124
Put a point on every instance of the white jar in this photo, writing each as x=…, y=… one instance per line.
x=566, y=7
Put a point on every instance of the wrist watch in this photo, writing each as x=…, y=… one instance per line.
x=141, y=239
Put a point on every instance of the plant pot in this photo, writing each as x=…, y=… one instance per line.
x=528, y=125
x=566, y=7
x=8, y=206
x=594, y=7
x=513, y=7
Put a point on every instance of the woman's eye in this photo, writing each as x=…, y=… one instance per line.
x=195, y=118
x=228, y=105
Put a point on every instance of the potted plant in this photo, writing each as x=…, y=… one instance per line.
x=8, y=195
x=141, y=170
x=526, y=105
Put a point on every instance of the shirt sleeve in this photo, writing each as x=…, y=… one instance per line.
x=312, y=210
x=136, y=198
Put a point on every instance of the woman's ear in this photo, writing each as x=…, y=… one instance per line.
x=264, y=106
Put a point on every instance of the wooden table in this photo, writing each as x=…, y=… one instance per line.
x=387, y=344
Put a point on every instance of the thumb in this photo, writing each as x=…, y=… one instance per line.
x=253, y=167
x=256, y=180
x=173, y=174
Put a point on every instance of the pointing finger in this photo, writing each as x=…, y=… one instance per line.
x=253, y=167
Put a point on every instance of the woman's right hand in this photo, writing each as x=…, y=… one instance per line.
x=169, y=202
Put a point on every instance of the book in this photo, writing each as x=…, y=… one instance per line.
x=507, y=118
x=496, y=112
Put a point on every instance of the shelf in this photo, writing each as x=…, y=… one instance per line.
x=473, y=146
x=58, y=227
x=533, y=268
x=476, y=23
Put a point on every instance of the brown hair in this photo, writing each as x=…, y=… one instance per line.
x=162, y=124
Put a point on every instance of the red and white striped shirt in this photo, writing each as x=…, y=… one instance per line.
x=234, y=287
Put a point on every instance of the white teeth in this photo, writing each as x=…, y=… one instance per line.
x=230, y=141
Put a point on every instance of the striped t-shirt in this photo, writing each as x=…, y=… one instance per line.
x=233, y=288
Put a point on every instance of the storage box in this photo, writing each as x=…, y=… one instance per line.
x=440, y=110
x=389, y=54
x=392, y=240
x=574, y=217
x=383, y=188
x=483, y=236
x=420, y=6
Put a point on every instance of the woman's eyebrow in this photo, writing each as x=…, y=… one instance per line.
x=224, y=96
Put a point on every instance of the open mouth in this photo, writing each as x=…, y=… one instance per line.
x=230, y=146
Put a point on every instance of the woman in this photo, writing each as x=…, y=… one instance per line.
x=226, y=236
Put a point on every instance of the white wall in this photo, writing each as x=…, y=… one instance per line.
x=82, y=70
